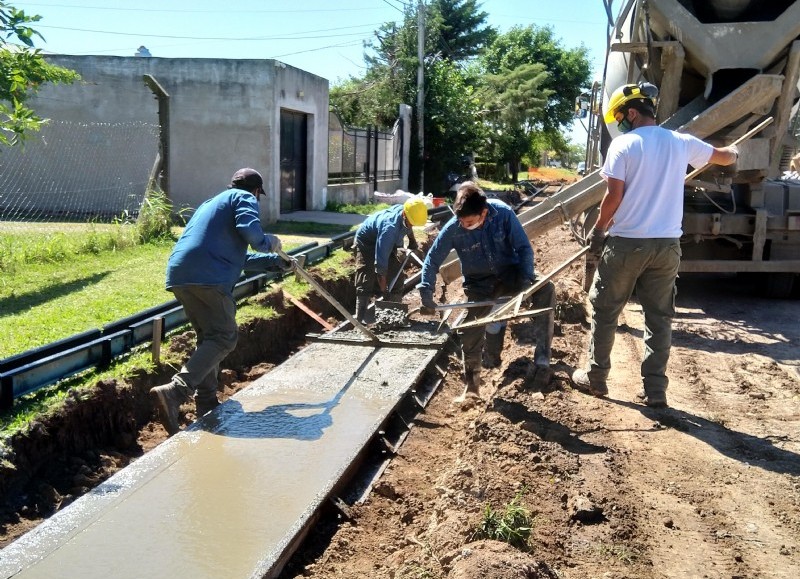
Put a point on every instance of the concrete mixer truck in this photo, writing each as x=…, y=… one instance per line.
x=722, y=67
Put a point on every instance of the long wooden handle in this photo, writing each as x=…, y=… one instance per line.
x=741, y=139
x=323, y=292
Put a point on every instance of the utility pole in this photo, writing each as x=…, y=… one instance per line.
x=421, y=92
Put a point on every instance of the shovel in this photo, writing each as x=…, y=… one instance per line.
x=332, y=300
x=382, y=304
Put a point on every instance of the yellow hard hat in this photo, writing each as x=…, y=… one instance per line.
x=416, y=211
x=627, y=93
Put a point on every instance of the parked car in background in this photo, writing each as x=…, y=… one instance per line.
x=582, y=168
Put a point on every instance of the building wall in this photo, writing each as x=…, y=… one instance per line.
x=224, y=114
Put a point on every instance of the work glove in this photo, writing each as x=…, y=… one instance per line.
x=597, y=240
x=275, y=243
x=285, y=265
x=428, y=305
x=734, y=149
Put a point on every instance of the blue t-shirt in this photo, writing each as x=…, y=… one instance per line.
x=213, y=248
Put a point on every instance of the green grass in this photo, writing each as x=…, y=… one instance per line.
x=24, y=244
x=513, y=524
x=42, y=303
x=367, y=209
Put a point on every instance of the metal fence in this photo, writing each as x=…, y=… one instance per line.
x=363, y=155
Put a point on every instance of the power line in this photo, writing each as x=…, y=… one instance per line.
x=227, y=38
x=183, y=11
x=393, y=6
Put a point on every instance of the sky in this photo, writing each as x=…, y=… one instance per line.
x=324, y=37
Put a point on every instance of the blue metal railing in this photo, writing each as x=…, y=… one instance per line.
x=29, y=371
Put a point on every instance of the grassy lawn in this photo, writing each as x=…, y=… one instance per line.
x=42, y=303
x=58, y=280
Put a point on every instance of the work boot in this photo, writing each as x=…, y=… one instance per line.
x=168, y=399
x=652, y=399
x=205, y=405
x=493, y=348
x=472, y=385
x=581, y=380
x=538, y=377
x=543, y=330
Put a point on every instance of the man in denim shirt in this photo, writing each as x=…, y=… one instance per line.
x=377, y=241
x=203, y=267
x=496, y=260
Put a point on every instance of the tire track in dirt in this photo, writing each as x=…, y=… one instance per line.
x=713, y=490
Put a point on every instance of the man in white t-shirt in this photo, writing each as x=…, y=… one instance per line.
x=636, y=239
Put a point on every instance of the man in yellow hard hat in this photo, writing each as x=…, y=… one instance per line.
x=636, y=239
x=377, y=242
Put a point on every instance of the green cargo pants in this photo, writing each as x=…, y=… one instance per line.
x=212, y=314
x=649, y=266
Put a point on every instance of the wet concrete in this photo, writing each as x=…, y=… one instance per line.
x=228, y=497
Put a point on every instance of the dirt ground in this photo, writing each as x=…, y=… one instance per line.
x=707, y=488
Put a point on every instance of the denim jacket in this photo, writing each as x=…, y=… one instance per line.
x=496, y=249
x=382, y=233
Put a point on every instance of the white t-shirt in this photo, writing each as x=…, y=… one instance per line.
x=652, y=162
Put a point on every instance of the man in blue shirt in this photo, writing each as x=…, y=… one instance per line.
x=377, y=241
x=203, y=267
x=496, y=260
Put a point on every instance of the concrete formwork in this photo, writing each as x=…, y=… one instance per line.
x=232, y=495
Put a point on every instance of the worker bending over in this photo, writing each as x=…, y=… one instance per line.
x=203, y=267
x=377, y=242
x=496, y=260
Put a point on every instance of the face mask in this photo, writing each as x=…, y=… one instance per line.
x=474, y=226
x=624, y=125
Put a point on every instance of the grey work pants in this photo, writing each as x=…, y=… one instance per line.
x=212, y=313
x=366, y=278
x=650, y=266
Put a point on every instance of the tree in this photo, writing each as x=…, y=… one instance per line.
x=569, y=69
x=509, y=64
x=455, y=30
x=460, y=28
x=514, y=101
x=452, y=122
x=23, y=70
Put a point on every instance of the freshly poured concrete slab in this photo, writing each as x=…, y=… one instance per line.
x=227, y=497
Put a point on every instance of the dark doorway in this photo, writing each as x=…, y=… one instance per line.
x=293, y=161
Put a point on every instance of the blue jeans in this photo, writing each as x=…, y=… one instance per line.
x=650, y=266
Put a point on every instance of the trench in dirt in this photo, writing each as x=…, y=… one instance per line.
x=101, y=429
